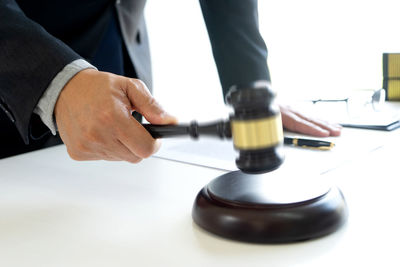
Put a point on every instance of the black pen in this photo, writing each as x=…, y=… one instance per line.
x=308, y=143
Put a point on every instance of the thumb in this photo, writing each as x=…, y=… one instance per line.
x=144, y=103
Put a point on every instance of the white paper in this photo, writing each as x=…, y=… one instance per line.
x=219, y=154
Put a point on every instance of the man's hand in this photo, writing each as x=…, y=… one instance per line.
x=296, y=122
x=93, y=114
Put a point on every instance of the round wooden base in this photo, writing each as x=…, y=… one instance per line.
x=251, y=208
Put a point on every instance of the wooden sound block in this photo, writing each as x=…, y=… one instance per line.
x=253, y=208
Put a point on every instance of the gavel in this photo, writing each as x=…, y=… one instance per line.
x=242, y=205
x=255, y=127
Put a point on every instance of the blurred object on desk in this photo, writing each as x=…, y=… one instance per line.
x=365, y=109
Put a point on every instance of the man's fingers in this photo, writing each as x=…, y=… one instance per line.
x=334, y=129
x=136, y=138
x=296, y=124
x=145, y=103
x=102, y=149
x=123, y=153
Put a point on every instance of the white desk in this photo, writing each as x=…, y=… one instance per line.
x=58, y=212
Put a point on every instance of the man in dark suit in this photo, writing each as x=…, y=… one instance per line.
x=64, y=67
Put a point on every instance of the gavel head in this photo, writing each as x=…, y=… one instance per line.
x=256, y=127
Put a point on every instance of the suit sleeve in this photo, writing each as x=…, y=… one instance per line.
x=29, y=60
x=238, y=48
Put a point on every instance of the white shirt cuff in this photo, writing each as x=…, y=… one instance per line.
x=45, y=106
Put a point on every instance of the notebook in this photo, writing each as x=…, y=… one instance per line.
x=386, y=121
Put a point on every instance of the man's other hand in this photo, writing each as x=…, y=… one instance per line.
x=294, y=121
x=93, y=115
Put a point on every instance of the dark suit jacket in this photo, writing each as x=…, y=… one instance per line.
x=39, y=38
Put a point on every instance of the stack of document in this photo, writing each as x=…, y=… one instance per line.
x=384, y=120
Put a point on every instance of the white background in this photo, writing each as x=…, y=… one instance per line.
x=315, y=48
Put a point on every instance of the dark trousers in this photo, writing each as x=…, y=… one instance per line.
x=111, y=56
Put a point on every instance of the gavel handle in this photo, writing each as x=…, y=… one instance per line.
x=221, y=129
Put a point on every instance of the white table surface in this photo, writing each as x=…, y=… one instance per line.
x=58, y=212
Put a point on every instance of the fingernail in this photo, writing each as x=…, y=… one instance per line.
x=324, y=132
x=169, y=118
x=158, y=145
